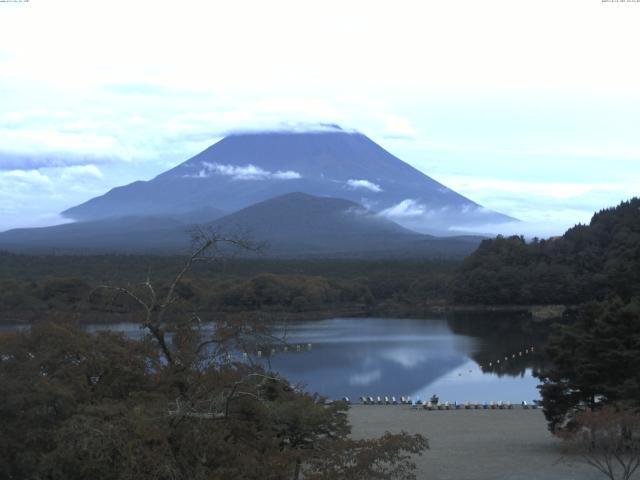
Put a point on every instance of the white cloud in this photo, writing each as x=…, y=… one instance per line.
x=26, y=177
x=397, y=126
x=76, y=172
x=52, y=139
x=153, y=99
x=33, y=197
x=364, y=379
x=286, y=175
x=406, y=208
x=543, y=206
x=408, y=357
x=246, y=172
x=359, y=211
x=16, y=190
x=479, y=186
x=364, y=184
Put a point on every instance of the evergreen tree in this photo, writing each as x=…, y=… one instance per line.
x=594, y=362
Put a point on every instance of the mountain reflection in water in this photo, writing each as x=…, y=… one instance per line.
x=417, y=357
x=375, y=356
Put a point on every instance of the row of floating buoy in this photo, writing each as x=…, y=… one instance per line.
x=271, y=352
x=493, y=405
x=513, y=356
x=285, y=349
x=382, y=400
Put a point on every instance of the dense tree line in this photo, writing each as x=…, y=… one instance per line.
x=594, y=355
x=65, y=287
x=589, y=262
x=594, y=362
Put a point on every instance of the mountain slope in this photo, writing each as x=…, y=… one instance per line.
x=299, y=224
x=295, y=224
x=243, y=169
x=159, y=234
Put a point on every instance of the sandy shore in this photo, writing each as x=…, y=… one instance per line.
x=476, y=444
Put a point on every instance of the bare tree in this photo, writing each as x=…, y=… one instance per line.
x=183, y=409
x=208, y=245
x=608, y=439
x=162, y=315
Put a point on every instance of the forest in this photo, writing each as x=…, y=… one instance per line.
x=594, y=350
x=34, y=288
x=173, y=404
x=589, y=262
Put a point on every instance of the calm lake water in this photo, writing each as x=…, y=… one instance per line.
x=377, y=356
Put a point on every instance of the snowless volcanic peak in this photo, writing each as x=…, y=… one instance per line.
x=245, y=168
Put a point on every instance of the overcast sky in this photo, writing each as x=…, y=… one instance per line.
x=530, y=108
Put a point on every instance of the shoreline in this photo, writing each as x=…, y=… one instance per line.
x=475, y=444
x=535, y=313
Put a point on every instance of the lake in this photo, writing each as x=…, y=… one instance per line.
x=454, y=359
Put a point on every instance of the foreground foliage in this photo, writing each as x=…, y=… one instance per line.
x=173, y=405
x=607, y=439
x=75, y=405
x=594, y=363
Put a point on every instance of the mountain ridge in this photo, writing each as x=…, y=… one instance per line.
x=293, y=225
x=245, y=168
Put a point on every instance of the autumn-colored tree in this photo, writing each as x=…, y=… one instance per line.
x=173, y=404
x=607, y=439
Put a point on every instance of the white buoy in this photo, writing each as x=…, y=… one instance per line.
x=259, y=353
x=497, y=361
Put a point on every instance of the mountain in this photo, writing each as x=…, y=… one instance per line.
x=295, y=224
x=150, y=234
x=113, y=234
x=302, y=224
x=243, y=169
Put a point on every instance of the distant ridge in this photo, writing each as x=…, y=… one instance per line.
x=293, y=225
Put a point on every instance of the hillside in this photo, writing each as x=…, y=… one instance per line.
x=301, y=224
x=291, y=225
x=129, y=234
x=589, y=262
